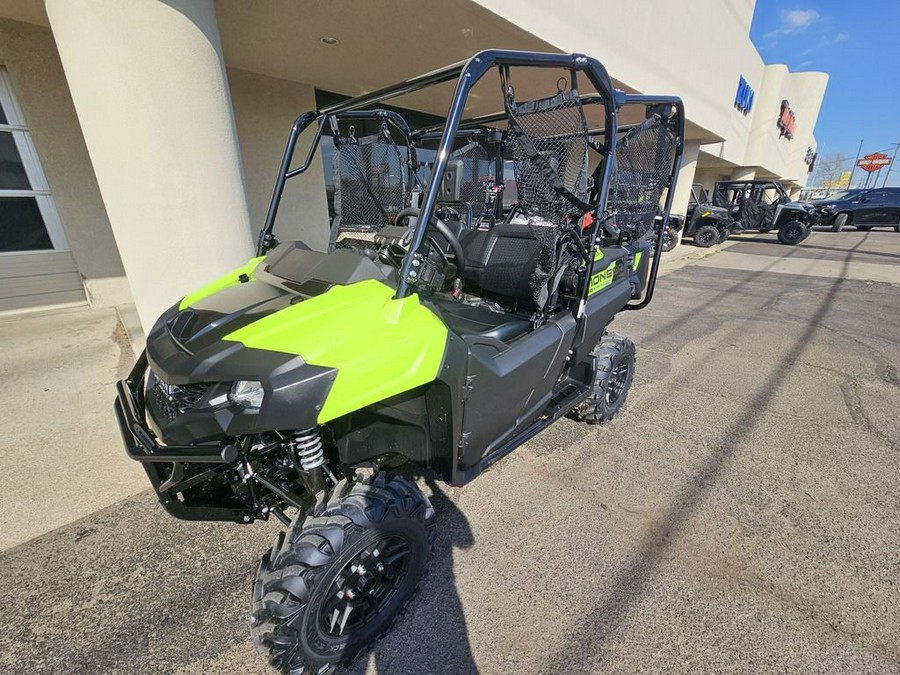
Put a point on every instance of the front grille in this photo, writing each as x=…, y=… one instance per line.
x=173, y=400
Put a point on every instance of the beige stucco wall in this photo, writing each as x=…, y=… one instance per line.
x=29, y=55
x=765, y=148
x=264, y=110
x=643, y=46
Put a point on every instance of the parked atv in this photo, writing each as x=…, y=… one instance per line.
x=438, y=328
x=763, y=205
x=706, y=223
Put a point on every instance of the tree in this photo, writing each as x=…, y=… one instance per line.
x=829, y=169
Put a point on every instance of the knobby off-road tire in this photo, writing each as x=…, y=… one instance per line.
x=839, y=221
x=614, y=360
x=706, y=235
x=792, y=233
x=723, y=236
x=367, y=546
x=670, y=240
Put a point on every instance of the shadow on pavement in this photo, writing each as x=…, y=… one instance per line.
x=432, y=637
x=627, y=586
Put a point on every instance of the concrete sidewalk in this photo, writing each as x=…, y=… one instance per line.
x=59, y=445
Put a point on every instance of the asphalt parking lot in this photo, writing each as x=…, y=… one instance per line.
x=742, y=515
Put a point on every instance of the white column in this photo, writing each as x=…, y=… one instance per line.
x=148, y=82
x=685, y=179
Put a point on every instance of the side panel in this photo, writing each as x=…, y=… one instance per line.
x=379, y=345
x=508, y=386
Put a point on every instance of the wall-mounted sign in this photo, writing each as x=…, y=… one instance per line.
x=811, y=159
x=873, y=162
x=743, y=99
x=787, y=121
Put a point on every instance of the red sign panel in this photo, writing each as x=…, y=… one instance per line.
x=873, y=162
x=787, y=121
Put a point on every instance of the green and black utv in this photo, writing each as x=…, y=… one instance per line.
x=461, y=305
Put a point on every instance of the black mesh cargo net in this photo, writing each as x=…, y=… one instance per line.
x=549, y=142
x=643, y=169
x=370, y=186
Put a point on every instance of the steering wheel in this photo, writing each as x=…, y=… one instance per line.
x=442, y=229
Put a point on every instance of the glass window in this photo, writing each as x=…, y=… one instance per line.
x=28, y=218
x=12, y=171
x=22, y=226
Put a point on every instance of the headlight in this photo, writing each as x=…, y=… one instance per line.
x=248, y=393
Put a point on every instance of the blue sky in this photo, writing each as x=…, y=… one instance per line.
x=858, y=44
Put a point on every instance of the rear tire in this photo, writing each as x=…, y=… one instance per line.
x=670, y=240
x=706, y=235
x=614, y=361
x=839, y=221
x=723, y=235
x=297, y=617
x=792, y=232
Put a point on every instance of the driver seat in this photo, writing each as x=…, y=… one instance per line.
x=500, y=262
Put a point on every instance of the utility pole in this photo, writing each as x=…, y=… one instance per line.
x=853, y=168
x=891, y=165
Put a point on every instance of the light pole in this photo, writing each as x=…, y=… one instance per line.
x=891, y=165
x=853, y=168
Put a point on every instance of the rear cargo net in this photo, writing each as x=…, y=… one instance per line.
x=549, y=142
x=370, y=186
x=643, y=168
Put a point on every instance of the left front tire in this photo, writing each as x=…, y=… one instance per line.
x=792, y=232
x=336, y=580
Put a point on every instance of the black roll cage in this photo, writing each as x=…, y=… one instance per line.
x=467, y=74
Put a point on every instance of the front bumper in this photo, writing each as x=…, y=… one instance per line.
x=165, y=465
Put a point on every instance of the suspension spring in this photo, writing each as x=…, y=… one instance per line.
x=307, y=447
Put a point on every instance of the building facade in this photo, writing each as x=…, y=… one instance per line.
x=139, y=140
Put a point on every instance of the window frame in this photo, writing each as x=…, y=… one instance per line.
x=40, y=188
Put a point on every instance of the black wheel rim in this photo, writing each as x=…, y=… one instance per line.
x=794, y=232
x=706, y=237
x=359, y=593
x=617, y=381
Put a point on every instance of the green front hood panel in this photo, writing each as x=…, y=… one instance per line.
x=379, y=345
x=233, y=278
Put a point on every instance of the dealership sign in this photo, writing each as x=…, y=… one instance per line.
x=743, y=99
x=787, y=121
x=873, y=162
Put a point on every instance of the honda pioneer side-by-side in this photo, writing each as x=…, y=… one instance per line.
x=707, y=223
x=460, y=306
x=764, y=205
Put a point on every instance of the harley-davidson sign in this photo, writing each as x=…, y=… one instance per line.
x=874, y=162
x=787, y=121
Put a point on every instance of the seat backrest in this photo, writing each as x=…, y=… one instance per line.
x=501, y=261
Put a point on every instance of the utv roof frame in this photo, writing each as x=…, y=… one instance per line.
x=467, y=74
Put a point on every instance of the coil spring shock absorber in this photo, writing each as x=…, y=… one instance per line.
x=309, y=456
